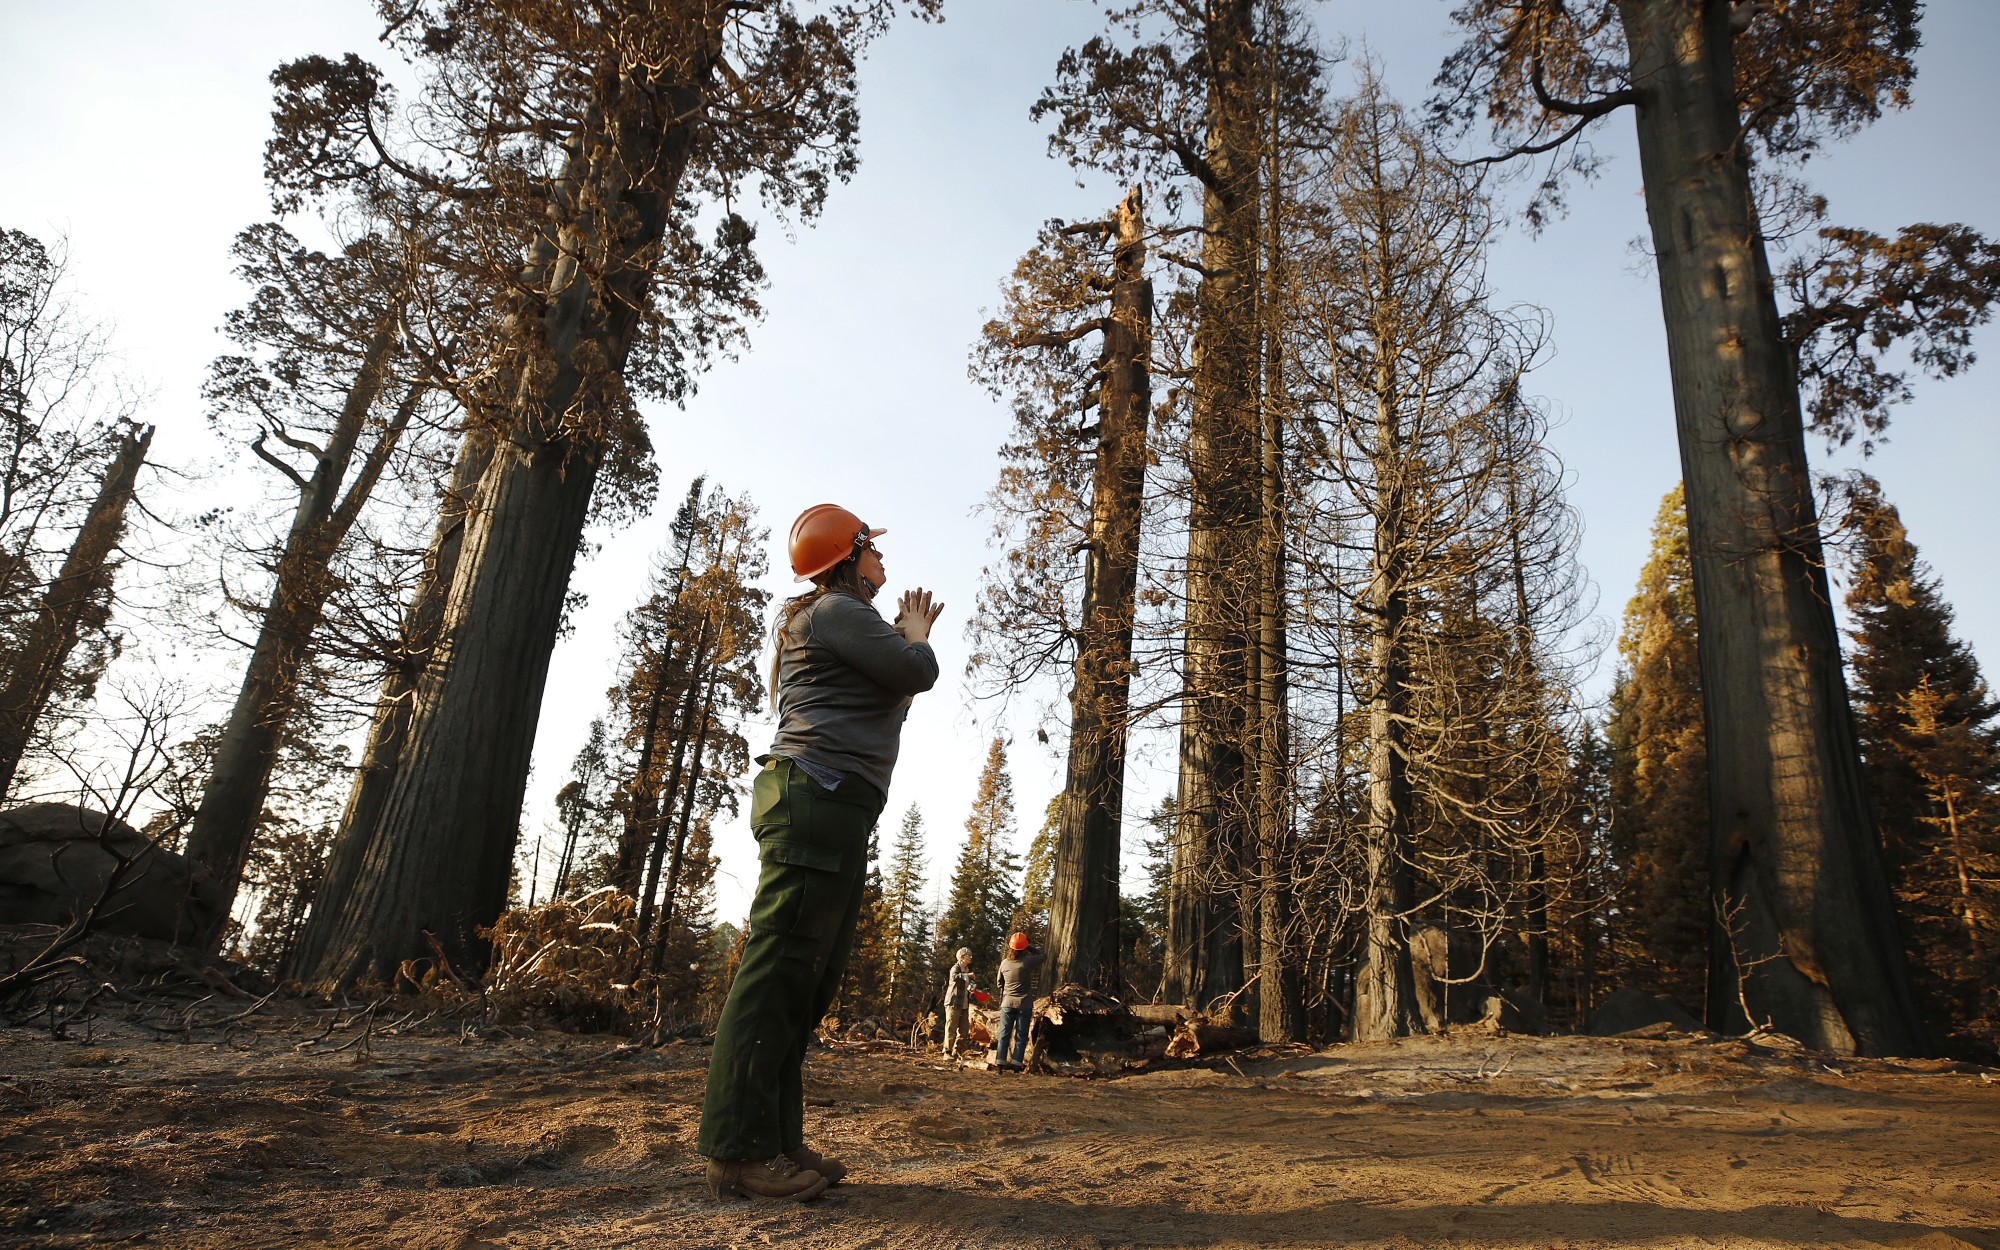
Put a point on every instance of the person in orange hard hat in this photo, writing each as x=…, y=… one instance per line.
x=1017, y=1001
x=842, y=680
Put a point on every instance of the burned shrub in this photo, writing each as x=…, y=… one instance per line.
x=572, y=963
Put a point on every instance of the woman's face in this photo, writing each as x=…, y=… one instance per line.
x=870, y=565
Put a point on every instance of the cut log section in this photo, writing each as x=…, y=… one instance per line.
x=1083, y=1032
x=1200, y=1036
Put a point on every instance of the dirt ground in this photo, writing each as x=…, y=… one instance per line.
x=445, y=1140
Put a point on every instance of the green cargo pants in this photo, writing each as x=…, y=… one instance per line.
x=813, y=846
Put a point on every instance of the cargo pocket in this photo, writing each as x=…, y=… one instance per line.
x=800, y=898
x=786, y=851
x=768, y=809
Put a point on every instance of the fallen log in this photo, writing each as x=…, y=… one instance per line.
x=1200, y=1036
x=1168, y=1014
x=1076, y=1031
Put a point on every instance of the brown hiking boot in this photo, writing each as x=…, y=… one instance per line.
x=826, y=1165
x=776, y=1177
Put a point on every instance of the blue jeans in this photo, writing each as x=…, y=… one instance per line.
x=1014, y=1033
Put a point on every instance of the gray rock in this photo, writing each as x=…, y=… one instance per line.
x=56, y=859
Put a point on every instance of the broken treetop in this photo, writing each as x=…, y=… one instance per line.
x=845, y=677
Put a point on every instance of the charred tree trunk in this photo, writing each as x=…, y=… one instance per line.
x=1385, y=992
x=78, y=599
x=683, y=732
x=1213, y=835
x=1083, y=912
x=689, y=793
x=440, y=861
x=642, y=810
x=1537, y=893
x=1279, y=1006
x=1804, y=923
x=389, y=728
x=240, y=777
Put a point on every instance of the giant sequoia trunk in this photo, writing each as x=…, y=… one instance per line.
x=1804, y=925
x=1213, y=831
x=78, y=599
x=389, y=728
x=240, y=777
x=439, y=862
x=1083, y=911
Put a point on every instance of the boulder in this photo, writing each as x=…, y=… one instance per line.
x=56, y=860
x=1626, y=1010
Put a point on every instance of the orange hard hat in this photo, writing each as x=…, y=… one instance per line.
x=823, y=536
x=1019, y=942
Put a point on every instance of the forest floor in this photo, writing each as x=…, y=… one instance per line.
x=256, y=1136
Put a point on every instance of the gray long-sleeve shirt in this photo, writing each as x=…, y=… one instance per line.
x=1018, y=979
x=845, y=679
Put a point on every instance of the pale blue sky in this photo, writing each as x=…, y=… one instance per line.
x=136, y=129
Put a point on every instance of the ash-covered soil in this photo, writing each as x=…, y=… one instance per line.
x=243, y=1138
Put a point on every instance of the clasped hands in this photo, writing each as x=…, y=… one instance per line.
x=915, y=614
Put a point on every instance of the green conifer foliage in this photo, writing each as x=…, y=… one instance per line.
x=1659, y=773
x=982, y=898
x=905, y=924
x=1931, y=748
x=1038, y=879
x=1143, y=917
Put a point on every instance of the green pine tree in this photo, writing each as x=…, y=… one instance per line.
x=981, y=902
x=1038, y=879
x=1143, y=917
x=905, y=923
x=1585, y=928
x=1659, y=773
x=1930, y=741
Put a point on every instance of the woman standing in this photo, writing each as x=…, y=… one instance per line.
x=960, y=992
x=843, y=679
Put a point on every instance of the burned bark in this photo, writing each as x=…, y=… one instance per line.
x=389, y=728
x=1083, y=911
x=77, y=600
x=1385, y=1003
x=239, y=778
x=1804, y=923
x=1215, y=799
x=439, y=861
x=1278, y=998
